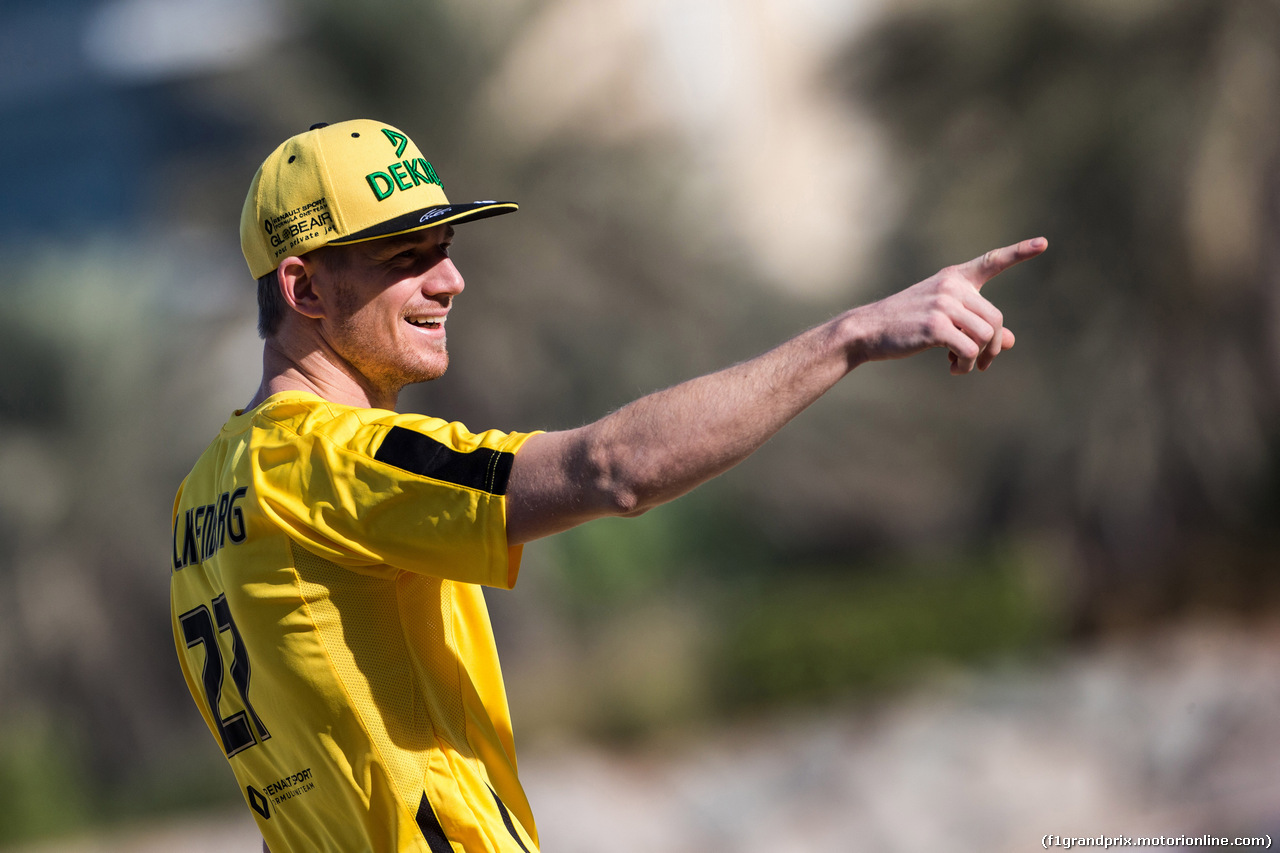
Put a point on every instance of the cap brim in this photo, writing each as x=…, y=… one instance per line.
x=430, y=217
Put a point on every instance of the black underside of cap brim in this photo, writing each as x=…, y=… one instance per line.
x=429, y=217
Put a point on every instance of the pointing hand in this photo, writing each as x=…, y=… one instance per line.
x=945, y=310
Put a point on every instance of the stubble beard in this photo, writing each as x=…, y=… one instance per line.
x=385, y=363
x=390, y=368
x=388, y=365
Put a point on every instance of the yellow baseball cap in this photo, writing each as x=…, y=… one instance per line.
x=344, y=183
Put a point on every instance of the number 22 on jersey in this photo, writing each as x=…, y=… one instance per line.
x=198, y=628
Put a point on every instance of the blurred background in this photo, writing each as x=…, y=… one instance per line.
x=934, y=610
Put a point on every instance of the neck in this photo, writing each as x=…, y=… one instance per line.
x=325, y=375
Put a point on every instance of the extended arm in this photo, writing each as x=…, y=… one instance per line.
x=663, y=445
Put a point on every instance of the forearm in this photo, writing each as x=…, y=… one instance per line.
x=665, y=444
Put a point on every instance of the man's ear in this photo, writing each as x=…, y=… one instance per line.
x=298, y=287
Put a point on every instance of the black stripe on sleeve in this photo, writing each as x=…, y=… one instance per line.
x=431, y=828
x=506, y=818
x=483, y=468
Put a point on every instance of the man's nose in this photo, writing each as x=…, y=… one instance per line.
x=443, y=279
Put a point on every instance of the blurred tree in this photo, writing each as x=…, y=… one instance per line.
x=1140, y=138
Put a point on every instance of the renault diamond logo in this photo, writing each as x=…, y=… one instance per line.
x=258, y=802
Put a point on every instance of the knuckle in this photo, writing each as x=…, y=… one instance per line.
x=944, y=303
x=955, y=285
x=944, y=281
x=937, y=323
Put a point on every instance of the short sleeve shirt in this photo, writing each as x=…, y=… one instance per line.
x=328, y=617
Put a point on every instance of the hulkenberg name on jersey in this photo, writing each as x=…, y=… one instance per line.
x=206, y=529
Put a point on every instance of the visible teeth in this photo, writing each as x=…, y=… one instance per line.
x=427, y=323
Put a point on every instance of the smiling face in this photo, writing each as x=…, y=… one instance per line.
x=389, y=300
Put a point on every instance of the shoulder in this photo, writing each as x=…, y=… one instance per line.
x=416, y=443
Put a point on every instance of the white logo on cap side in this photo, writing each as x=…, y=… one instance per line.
x=432, y=214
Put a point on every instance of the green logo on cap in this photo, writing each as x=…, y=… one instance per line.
x=404, y=175
x=399, y=140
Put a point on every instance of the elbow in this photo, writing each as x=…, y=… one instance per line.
x=617, y=487
x=627, y=504
x=622, y=497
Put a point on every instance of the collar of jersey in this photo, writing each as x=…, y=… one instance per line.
x=240, y=417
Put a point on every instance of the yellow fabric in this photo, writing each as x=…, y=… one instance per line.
x=350, y=588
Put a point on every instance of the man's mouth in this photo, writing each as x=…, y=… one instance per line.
x=427, y=322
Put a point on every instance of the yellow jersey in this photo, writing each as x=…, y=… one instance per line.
x=329, y=620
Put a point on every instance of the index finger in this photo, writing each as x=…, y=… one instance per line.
x=982, y=269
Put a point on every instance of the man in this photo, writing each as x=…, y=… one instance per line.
x=328, y=553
